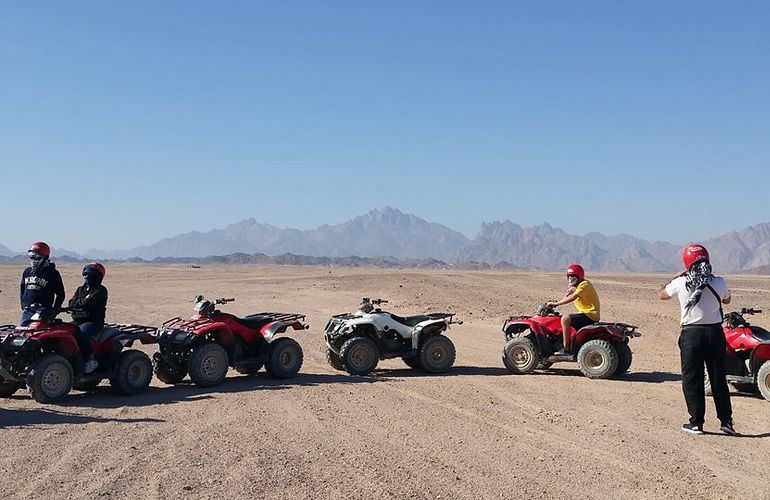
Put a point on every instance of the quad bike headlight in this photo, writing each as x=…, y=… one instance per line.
x=18, y=341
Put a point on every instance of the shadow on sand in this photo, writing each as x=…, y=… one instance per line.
x=25, y=417
x=186, y=391
x=453, y=372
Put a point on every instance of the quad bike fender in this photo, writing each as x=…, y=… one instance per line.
x=270, y=330
x=216, y=329
x=515, y=326
x=610, y=333
x=760, y=355
x=64, y=345
x=426, y=328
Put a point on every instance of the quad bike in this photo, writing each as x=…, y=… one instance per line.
x=601, y=350
x=211, y=341
x=46, y=358
x=747, y=361
x=356, y=342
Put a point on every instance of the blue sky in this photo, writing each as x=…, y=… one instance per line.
x=124, y=122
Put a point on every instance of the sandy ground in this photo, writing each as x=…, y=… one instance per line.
x=476, y=432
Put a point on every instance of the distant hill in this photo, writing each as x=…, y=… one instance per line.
x=385, y=232
x=389, y=237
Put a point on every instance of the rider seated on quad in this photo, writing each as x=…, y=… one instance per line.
x=582, y=293
x=88, y=307
x=41, y=283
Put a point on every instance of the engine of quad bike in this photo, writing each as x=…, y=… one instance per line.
x=392, y=341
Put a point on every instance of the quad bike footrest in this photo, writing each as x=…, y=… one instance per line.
x=739, y=379
x=563, y=357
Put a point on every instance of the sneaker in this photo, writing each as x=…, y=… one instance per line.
x=728, y=428
x=90, y=366
x=692, y=428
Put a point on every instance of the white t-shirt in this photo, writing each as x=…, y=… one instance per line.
x=706, y=311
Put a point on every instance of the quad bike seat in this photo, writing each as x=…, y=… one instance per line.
x=254, y=320
x=760, y=334
x=106, y=334
x=410, y=320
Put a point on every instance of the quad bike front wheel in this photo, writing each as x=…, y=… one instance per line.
x=208, y=364
x=134, y=372
x=50, y=379
x=165, y=372
x=763, y=380
x=520, y=355
x=333, y=359
x=285, y=358
x=598, y=359
x=359, y=355
x=437, y=354
x=625, y=358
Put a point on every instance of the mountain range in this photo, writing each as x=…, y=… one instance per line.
x=388, y=236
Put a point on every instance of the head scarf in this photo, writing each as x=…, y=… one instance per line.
x=698, y=278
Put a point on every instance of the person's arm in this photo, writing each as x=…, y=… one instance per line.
x=58, y=291
x=570, y=297
x=21, y=288
x=667, y=290
x=93, y=301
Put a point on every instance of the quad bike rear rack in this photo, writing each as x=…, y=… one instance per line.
x=132, y=329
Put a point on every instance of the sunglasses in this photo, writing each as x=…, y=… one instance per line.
x=35, y=256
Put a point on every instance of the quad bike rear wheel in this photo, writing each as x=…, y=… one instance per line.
x=625, y=358
x=520, y=355
x=165, y=372
x=134, y=372
x=763, y=380
x=437, y=354
x=208, y=364
x=359, y=355
x=285, y=358
x=50, y=379
x=598, y=359
x=8, y=389
x=333, y=359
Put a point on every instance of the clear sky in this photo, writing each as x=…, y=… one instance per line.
x=125, y=122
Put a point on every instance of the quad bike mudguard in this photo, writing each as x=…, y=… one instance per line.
x=270, y=330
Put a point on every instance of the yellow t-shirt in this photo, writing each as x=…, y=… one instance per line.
x=587, y=301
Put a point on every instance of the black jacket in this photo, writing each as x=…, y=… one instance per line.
x=89, y=304
x=41, y=286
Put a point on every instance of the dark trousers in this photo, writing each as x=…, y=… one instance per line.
x=26, y=317
x=704, y=345
x=85, y=332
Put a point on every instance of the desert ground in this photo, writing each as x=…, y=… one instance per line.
x=476, y=432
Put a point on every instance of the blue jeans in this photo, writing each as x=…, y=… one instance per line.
x=26, y=317
x=85, y=332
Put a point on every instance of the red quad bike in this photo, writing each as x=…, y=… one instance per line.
x=747, y=362
x=208, y=343
x=46, y=358
x=531, y=341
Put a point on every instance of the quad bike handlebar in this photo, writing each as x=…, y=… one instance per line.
x=376, y=302
x=736, y=319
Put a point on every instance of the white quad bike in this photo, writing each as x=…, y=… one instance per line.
x=355, y=342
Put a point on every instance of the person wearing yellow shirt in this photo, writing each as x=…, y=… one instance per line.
x=582, y=293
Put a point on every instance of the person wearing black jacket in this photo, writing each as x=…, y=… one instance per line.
x=41, y=283
x=88, y=308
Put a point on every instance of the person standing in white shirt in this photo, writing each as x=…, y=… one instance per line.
x=702, y=341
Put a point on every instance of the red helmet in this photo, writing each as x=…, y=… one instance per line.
x=98, y=267
x=693, y=253
x=40, y=247
x=577, y=270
